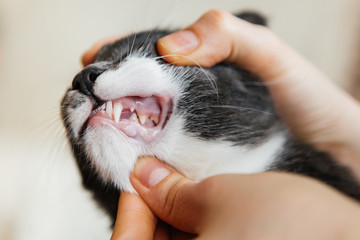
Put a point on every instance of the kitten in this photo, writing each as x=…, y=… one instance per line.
x=202, y=121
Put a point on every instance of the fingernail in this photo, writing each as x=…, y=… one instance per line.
x=150, y=171
x=183, y=42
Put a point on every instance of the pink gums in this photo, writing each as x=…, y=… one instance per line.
x=152, y=107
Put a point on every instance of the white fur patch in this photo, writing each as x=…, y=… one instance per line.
x=79, y=115
x=136, y=76
x=199, y=159
x=113, y=155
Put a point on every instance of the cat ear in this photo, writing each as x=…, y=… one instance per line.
x=252, y=17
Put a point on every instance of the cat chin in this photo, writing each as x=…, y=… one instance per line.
x=112, y=154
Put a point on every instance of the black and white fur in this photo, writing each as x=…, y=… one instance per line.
x=222, y=120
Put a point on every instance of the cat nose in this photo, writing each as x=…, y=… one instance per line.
x=85, y=80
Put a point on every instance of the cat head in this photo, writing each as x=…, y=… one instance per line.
x=130, y=103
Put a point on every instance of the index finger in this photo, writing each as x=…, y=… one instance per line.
x=219, y=36
x=134, y=219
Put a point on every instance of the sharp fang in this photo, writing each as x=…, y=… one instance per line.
x=109, y=108
x=102, y=107
x=132, y=109
x=155, y=120
x=118, y=107
x=142, y=119
x=133, y=117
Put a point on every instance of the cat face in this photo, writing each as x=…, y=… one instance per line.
x=130, y=103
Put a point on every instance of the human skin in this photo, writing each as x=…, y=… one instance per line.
x=234, y=206
x=314, y=109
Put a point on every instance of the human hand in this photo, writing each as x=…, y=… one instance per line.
x=133, y=217
x=135, y=220
x=233, y=206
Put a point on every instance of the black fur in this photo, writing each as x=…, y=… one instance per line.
x=302, y=159
x=253, y=17
x=233, y=105
x=245, y=107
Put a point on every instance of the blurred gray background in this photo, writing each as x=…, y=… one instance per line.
x=41, y=42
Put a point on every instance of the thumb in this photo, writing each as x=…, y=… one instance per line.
x=170, y=195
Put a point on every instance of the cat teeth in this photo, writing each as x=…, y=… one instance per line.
x=155, y=120
x=109, y=109
x=142, y=119
x=114, y=110
x=102, y=108
x=134, y=117
x=118, y=107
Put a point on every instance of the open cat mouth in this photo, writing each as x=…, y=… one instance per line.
x=140, y=118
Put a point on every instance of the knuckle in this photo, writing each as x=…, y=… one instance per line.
x=172, y=198
x=216, y=13
x=217, y=18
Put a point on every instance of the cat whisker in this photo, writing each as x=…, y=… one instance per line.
x=242, y=109
x=209, y=77
x=132, y=45
x=146, y=39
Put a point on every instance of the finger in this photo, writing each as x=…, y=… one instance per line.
x=219, y=36
x=134, y=219
x=89, y=56
x=169, y=195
